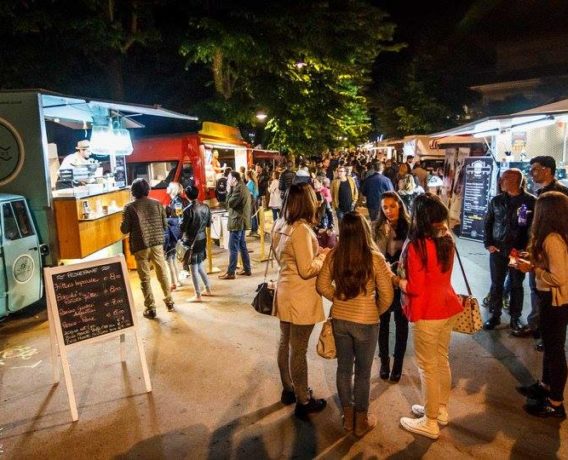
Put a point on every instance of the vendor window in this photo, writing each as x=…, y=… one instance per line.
x=11, y=231
x=158, y=173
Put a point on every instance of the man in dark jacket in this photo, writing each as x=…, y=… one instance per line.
x=286, y=179
x=239, y=205
x=373, y=187
x=144, y=220
x=507, y=226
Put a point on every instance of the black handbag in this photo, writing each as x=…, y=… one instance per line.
x=264, y=298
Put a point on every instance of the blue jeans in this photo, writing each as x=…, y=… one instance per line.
x=199, y=269
x=275, y=213
x=238, y=243
x=356, y=344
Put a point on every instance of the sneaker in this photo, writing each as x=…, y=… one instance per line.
x=422, y=426
x=195, y=298
x=418, y=410
x=313, y=405
x=545, y=409
x=207, y=292
x=149, y=313
x=288, y=397
x=534, y=391
x=170, y=306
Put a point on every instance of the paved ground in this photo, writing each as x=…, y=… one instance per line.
x=216, y=391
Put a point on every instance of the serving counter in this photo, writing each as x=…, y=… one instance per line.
x=88, y=223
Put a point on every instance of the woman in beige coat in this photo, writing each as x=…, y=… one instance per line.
x=296, y=302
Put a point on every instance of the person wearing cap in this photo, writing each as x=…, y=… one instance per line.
x=79, y=158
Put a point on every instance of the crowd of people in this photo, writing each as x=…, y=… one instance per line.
x=396, y=262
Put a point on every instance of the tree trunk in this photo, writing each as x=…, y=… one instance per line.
x=218, y=75
x=115, y=76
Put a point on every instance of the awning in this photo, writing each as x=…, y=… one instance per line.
x=75, y=112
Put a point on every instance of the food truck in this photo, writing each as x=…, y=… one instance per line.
x=51, y=216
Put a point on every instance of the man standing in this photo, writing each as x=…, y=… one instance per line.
x=343, y=193
x=543, y=169
x=420, y=174
x=373, y=187
x=507, y=227
x=239, y=205
x=286, y=179
x=144, y=220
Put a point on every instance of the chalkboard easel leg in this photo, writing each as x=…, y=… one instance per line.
x=122, y=351
x=69, y=386
x=54, y=348
x=143, y=362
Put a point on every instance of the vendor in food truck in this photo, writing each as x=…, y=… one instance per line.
x=78, y=159
x=216, y=164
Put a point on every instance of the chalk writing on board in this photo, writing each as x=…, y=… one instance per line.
x=92, y=302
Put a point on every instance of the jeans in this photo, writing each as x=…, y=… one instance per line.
x=154, y=256
x=553, y=322
x=237, y=243
x=431, y=344
x=254, y=224
x=275, y=213
x=533, y=318
x=401, y=334
x=292, y=360
x=173, y=269
x=199, y=269
x=373, y=214
x=498, y=264
x=356, y=344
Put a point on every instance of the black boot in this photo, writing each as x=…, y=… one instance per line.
x=385, y=368
x=396, y=370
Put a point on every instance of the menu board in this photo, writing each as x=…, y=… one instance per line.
x=476, y=195
x=91, y=301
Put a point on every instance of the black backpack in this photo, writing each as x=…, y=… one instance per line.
x=221, y=189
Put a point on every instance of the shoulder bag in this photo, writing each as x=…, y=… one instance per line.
x=326, y=342
x=469, y=320
x=264, y=298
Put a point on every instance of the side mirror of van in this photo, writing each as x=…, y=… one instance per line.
x=44, y=249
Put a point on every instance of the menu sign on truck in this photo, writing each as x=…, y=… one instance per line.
x=476, y=195
x=88, y=302
x=91, y=302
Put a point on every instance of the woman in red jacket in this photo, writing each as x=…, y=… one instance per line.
x=432, y=306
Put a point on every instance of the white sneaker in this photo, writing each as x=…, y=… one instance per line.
x=195, y=299
x=423, y=426
x=418, y=410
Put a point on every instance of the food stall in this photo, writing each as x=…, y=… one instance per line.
x=77, y=212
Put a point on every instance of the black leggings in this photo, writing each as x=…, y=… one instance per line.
x=401, y=334
x=553, y=322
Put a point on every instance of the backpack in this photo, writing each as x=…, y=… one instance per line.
x=221, y=189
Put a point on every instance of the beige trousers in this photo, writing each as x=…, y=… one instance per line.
x=431, y=343
x=154, y=256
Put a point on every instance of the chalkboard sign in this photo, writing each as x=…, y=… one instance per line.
x=476, y=193
x=91, y=302
x=86, y=302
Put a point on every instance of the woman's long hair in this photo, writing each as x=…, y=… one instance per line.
x=300, y=202
x=430, y=221
x=403, y=223
x=549, y=217
x=352, y=258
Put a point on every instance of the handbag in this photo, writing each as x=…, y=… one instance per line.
x=181, y=250
x=264, y=298
x=469, y=320
x=326, y=342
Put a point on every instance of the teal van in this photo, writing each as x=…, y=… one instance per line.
x=21, y=282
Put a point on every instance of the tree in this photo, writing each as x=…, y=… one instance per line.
x=306, y=63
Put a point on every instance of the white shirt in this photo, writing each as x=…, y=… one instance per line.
x=72, y=160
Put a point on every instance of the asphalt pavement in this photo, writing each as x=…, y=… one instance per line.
x=216, y=389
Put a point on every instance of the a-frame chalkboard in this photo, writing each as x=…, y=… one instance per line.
x=88, y=302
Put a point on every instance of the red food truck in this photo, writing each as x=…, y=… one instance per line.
x=186, y=158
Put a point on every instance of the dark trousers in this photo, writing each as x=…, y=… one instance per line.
x=237, y=243
x=401, y=334
x=553, y=323
x=498, y=265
